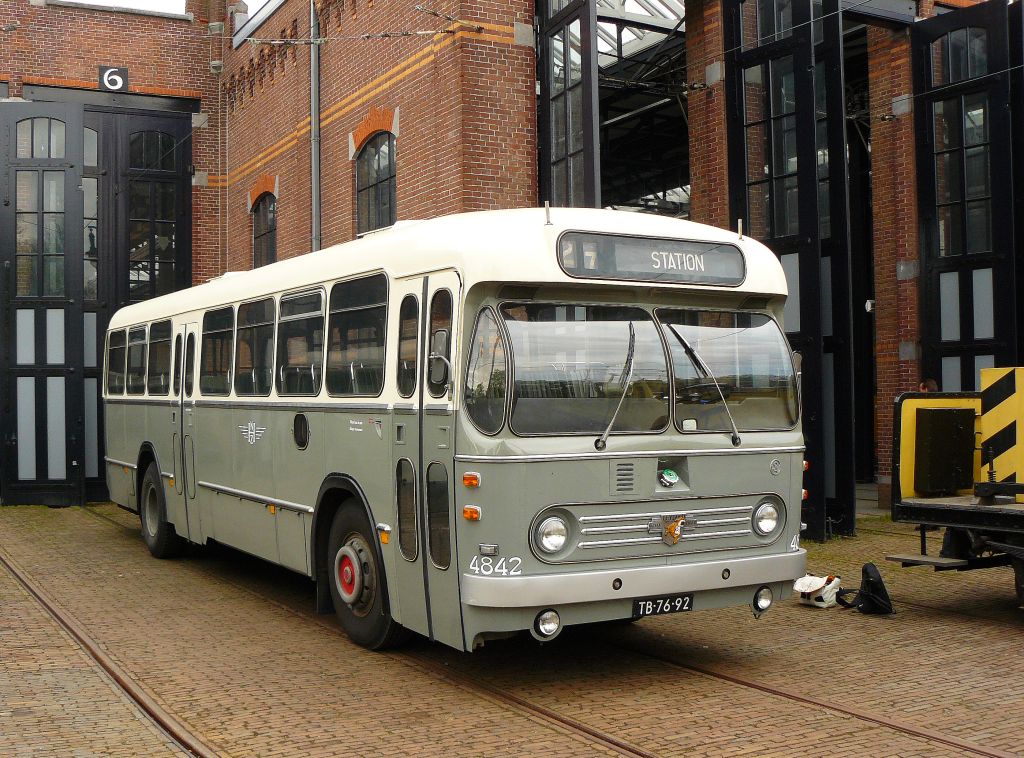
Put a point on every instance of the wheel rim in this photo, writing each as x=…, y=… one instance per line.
x=152, y=511
x=355, y=576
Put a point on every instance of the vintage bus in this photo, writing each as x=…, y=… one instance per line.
x=476, y=425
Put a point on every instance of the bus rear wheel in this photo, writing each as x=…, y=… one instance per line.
x=159, y=535
x=358, y=589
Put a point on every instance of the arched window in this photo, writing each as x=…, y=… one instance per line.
x=264, y=230
x=375, y=183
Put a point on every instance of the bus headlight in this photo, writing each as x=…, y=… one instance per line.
x=552, y=534
x=766, y=518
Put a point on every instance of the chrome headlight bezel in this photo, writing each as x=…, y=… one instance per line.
x=551, y=535
x=764, y=510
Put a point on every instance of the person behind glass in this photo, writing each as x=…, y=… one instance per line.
x=928, y=385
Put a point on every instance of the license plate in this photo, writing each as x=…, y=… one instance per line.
x=656, y=606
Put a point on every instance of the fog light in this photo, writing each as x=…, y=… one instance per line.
x=763, y=599
x=548, y=623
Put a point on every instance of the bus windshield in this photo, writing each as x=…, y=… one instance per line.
x=572, y=368
x=746, y=354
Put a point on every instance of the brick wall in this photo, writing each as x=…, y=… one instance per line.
x=465, y=106
x=62, y=46
x=709, y=180
x=894, y=212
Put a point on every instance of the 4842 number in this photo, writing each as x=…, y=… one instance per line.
x=488, y=566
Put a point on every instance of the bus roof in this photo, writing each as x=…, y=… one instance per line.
x=503, y=245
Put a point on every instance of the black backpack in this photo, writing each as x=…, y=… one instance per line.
x=872, y=597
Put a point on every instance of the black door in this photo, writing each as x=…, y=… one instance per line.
x=965, y=191
x=43, y=422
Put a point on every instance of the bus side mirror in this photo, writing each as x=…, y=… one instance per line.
x=440, y=368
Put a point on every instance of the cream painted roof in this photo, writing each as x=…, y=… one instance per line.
x=505, y=245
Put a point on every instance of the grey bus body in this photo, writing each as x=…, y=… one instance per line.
x=374, y=459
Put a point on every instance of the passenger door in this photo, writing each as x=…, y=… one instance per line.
x=441, y=292
x=185, y=466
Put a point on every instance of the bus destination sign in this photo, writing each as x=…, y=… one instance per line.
x=606, y=256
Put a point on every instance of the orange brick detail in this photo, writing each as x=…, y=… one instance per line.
x=264, y=183
x=377, y=120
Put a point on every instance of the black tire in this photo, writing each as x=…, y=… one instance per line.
x=159, y=535
x=367, y=618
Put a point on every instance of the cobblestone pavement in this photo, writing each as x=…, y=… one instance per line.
x=228, y=645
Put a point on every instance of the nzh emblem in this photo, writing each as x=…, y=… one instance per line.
x=251, y=432
x=671, y=527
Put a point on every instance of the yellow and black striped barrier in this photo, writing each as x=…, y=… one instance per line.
x=1002, y=406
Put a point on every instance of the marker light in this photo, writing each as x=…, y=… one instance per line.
x=471, y=512
x=804, y=494
x=807, y=465
x=471, y=479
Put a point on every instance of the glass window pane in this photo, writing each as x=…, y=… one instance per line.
x=979, y=226
x=558, y=124
x=91, y=139
x=940, y=61
x=91, y=279
x=158, y=376
x=575, y=53
x=821, y=145
x=984, y=318
x=559, y=184
x=757, y=211
x=947, y=124
x=783, y=18
x=138, y=241
x=958, y=55
x=558, y=62
x=783, y=86
x=215, y=364
x=166, y=156
x=977, y=54
x=164, y=201
x=57, y=137
x=947, y=177
x=576, y=166
x=486, y=380
x=980, y=362
x=300, y=350
x=53, y=275
x=755, y=96
x=440, y=318
x=977, y=172
x=138, y=200
x=765, y=21
x=784, y=135
x=576, y=119
x=190, y=360
x=90, y=191
x=163, y=241
x=786, y=211
x=951, y=374
x=136, y=150
x=408, y=333
x=975, y=118
x=53, y=191
x=950, y=230
x=53, y=233
x=27, y=198
x=757, y=152
x=27, y=234
x=152, y=143
x=406, y=491
x=25, y=138
x=824, y=210
x=438, y=515
x=40, y=138
x=27, y=280
x=748, y=24
x=949, y=306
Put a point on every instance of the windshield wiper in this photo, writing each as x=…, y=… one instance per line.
x=700, y=364
x=627, y=373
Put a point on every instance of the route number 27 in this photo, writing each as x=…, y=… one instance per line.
x=486, y=565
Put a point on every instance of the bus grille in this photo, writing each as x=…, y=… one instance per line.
x=646, y=528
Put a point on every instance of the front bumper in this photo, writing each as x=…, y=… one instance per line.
x=591, y=586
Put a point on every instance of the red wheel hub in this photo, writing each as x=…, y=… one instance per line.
x=347, y=575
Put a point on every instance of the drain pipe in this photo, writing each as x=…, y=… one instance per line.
x=314, y=122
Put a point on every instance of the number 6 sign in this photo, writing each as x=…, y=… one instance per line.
x=113, y=79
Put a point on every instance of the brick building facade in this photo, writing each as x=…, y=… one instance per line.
x=503, y=104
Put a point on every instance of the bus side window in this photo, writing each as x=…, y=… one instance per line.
x=190, y=364
x=137, y=361
x=405, y=487
x=300, y=344
x=254, y=354
x=215, y=364
x=115, y=363
x=356, y=330
x=438, y=523
x=158, y=380
x=408, y=332
x=177, y=365
x=440, y=318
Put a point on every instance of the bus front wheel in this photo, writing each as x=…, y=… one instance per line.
x=159, y=535
x=357, y=582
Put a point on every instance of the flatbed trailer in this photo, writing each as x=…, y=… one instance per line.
x=958, y=466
